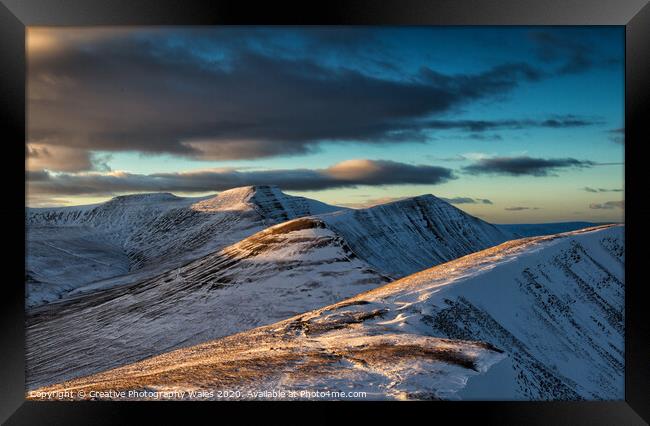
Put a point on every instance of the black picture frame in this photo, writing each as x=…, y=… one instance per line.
x=15, y=15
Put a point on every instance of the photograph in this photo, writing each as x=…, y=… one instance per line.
x=325, y=213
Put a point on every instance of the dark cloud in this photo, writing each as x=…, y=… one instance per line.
x=609, y=205
x=589, y=189
x=61, y=158
x=568, y=53
x=519, y=166
x=345, y=174
x=484, y=137
x=494, y=81
x=563, y=121
x=37, y=175
x=617, y=135
x=520, y=208
x=219, y=97
x=477, y=129
x=467, y=200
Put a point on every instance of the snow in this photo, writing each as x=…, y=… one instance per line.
x=409, y=235
x=554, y=304
x=256, y=280
x=147, y=282
x=277, y=273
x=72, y=250
x=537, y=318
x=253, y=364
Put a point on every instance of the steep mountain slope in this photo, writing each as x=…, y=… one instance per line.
x=383, y=242
x=548, y=310
x=130, y=238
x=284, y=270
x=410, y=235
x=69, y=246
x=216, y=222
x=121, y=214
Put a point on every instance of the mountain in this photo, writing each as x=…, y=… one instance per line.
x=286, y=269
x=299, y=265
x=410, y=235
x=217, y=222
x=69, y=246
x=133, y=237
x=522, y=230
x=535, y=318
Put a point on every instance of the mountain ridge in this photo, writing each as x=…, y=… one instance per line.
x=306, y=285
x=433, y=334
x=278, y=272
x=408, y=235
x=134, y=237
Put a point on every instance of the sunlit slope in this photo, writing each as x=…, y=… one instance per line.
x=277, y=273
x=294, y=267
x=547, y=310
x=133, y=237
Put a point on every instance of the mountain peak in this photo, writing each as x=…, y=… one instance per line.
x=149, y=196
x=405, y=236
x=263, y=188
x=409, y=201
x=238, y=198
x=251, y=188
x=267, y=200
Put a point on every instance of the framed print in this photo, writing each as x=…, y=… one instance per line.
x=355, y=203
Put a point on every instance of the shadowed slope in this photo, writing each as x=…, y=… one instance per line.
x=134, y=237
x=286, y=269
x=407, y=236
x=547, y=309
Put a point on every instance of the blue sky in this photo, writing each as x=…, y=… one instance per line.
x=529, y=118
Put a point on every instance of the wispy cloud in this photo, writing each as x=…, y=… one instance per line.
x=609, y=205
x=520, y=208
x=590, y=189
x=568, y=55
x=467, y=200
x=554, y=122
x=617, y=135
x=524, y=165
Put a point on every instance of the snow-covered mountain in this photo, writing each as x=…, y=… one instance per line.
x=410, y=235
x=217, y=222
x=286, y=269
x=70, y=246
x=130, y=238
x=133, y=238
x=536, y=318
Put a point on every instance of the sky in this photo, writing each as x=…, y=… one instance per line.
x=511, y=124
